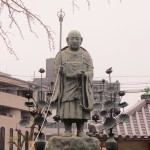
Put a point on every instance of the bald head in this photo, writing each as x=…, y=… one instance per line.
x=74, y=33
x=74, y=40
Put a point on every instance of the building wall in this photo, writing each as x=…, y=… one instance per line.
x=12, y=109
x=133, y=145
x=50, y=68
x=130, y=145
x=50, y=77
x=13, y=101
x=10, y=123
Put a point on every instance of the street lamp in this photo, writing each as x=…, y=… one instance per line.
x=110, y=110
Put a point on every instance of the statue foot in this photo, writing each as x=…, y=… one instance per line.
x=67, y=134
x=81, y=134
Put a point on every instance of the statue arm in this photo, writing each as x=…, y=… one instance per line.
x=58, y=63
x=89, y=63
x=89, y=79
x=88, y=72
x=57, y=66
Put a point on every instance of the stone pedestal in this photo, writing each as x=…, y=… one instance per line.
x=73, y=143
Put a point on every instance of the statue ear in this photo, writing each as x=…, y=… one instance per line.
x=67, y=40
x=81, y=40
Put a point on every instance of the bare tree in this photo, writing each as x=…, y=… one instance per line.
x=15, y=7
x=75, y=4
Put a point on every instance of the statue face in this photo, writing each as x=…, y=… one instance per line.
x=74, y=40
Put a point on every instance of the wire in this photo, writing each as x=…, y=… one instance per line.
x=123, y=83
x=124, y=87
x=123, y=76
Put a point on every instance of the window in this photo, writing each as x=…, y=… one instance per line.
x=11, y=139
x=41, y=96
x=4, y=111
x=19, y=138
x=2, y=138
x=95, y=89
x=26, y=140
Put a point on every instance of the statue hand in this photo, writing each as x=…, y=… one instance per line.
x=80, y=73
x=54, y=104
x=61, y=70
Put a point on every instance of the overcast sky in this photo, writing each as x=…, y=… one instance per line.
x=116, y=35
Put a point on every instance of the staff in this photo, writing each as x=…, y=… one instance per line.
x=60, y=15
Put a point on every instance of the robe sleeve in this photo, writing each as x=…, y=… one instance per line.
x=89, y=63
x=57, y=65
x=89, y=79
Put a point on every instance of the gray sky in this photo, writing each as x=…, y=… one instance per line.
x=116, y=35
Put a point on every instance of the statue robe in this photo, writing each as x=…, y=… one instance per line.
x=74, y=97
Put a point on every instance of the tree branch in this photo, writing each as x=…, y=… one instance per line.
x=15, y=7
x=75, y=5
x=7, y=42
x=89, y=4
x=31, y=132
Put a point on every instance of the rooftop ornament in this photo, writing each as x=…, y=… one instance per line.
x=110, y=110
x=146, y=95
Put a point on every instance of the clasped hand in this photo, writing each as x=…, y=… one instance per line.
x=54, y=104
x=80, y=73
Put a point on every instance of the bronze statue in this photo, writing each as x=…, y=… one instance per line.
x=74, y=68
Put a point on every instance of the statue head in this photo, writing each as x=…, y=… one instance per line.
x=74, y=40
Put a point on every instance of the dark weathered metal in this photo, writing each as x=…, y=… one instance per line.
x=24, y=122
x=146, y=95
x=95, y=117
x=124, y=118
x=29, y=104
x=39, y=116
x=40, y=142
x=111, y=110
x=111, y=143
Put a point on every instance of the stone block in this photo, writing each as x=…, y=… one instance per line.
x=73, y=143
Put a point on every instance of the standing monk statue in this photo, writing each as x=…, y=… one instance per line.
x=74, y=68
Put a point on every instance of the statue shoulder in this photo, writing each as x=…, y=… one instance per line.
x=61, y=52
x=84, y=49
x=61, y=56
x=86, y=54
x=64, y=48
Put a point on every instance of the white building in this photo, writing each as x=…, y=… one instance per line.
x=12, y=110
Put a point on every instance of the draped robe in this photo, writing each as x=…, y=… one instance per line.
x=73, y=93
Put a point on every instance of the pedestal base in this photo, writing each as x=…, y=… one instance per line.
x=73, y=143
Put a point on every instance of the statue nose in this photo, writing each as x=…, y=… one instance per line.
x=74, y=40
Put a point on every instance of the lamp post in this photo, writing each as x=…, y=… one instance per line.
x=39, y=110
x=110, y=110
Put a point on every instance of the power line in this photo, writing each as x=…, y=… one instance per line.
x=124, y=76
x=122, y=84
